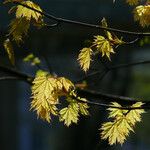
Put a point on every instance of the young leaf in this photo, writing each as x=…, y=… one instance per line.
x=69, y=114
x=104, y=24
x=135, y=115
x=116, y=131
x=115, y=112
x=18, y=29
x=83, y=109
x=65, y=84
x=124, y=121
x=32, y=59
x=27, y=13
x=44, y=98
x=132, y=2
x=142, y=14
x=103, y=46
x=9, y=49
x=84, y=58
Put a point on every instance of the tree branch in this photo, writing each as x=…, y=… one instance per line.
x=16, y=74
x=106, y=70
x=58, y=20
x=89, y=94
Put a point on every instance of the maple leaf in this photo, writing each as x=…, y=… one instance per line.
x=141, y=14
x=43, y=88
x=83, y=109
x=103, y=46
x=132, y=2
x=134, y=115
x=27, y=13
x=115, y=112
x=108, y=34
x=46, y=91
x=9, y=49
x=65, y=84
x=124, y=122
x=43, y=97
x=69, y=114
x=32, y=59
x=84, y=58
x=116, y=131
x=18, y=29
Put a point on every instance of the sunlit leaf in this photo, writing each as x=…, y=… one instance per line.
x=65, y=84
x=142, y=14
x=18, y=29
x=115, y=112
x=9, y=49
x=69, y=114
x=124, y=122
x=103, y=46
x=108, y=34
x=27, y=13
x=134, y=115
x=132, y=2
x=116, y=131
x=32, y=59
x=84, y=58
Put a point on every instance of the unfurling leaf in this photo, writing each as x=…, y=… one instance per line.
x=83, y=109
x=104, y=24
x=32, y=59
x=9, y=49
x=65, y=84
x=142, y=14
x=124, y=122
x=22, y=11
x=134, y=115
x=46, y=91
x=84, y=58
x=116, y=131
x=132, y=2
x=69, y=114
x=103, y=46
x=115, y=112
x=76, y=107
x=44, y=100
x=18, y=29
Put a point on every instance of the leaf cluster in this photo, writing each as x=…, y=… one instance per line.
x=123, y=122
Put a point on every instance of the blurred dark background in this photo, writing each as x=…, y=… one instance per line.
x=21, y=130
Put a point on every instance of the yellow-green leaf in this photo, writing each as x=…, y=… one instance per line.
x=19, y=29
x=27, y=13
x=84, y=58
x=44, y=98
x=132, y=2
x=83, y=108
x=103, y=46
x=9, y=49
x=32, y=59
x=104, y=24
x=65, y=84
x=69, y=114
x=116, y=131
x=134, y=115
x=142, y=14
x=115, y=112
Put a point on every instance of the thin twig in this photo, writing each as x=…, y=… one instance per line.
x=84, y=93
x=18, y=74
x=57, y=19
x=132, y=64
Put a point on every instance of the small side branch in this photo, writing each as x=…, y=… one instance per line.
x=59, y=20
x=84, y=93
x=106, y=70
